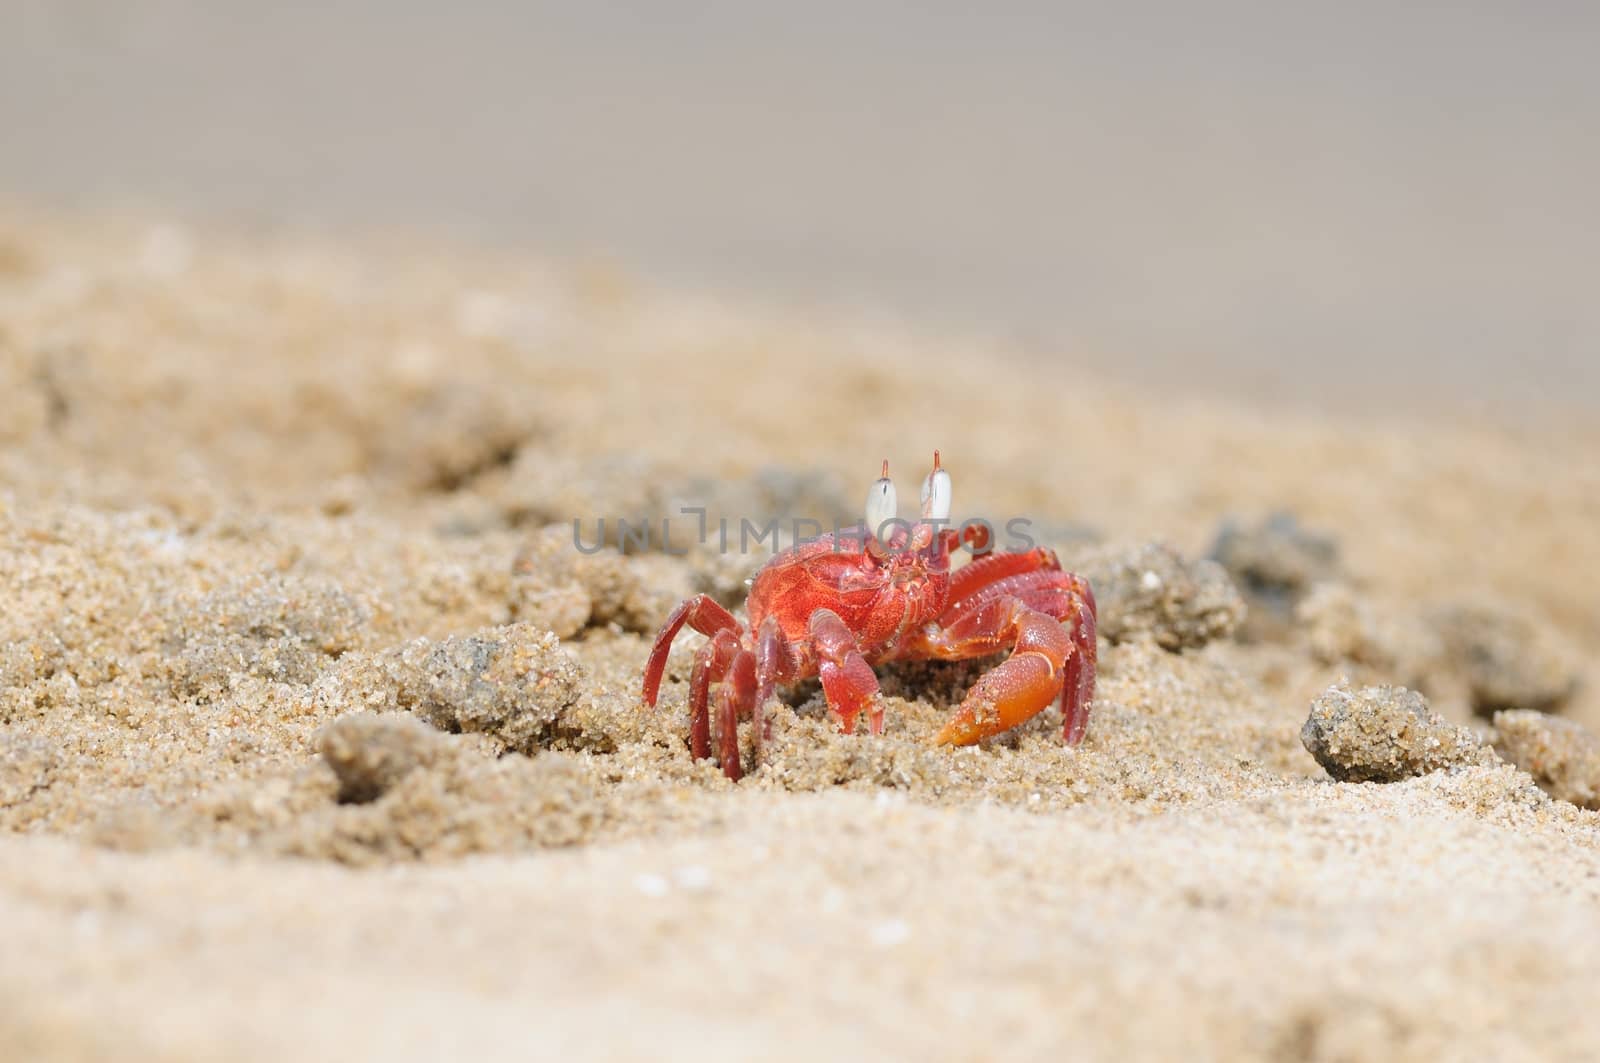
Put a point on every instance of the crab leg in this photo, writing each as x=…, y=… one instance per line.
x=701, y=613
x=735, y=697
x=1036, y=577
x=1077, y=687
x=847, y=679
x=982, y=572
x=774, y=658
x=711, y=664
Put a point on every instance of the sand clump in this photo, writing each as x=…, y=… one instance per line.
x=1508, y=658
x=280, y=629
x=1276, y=560
x=511, y=683
x=27, y=765
x=1343, y=626
x=1563, y=757
x=565, y=589
x=1384, y=734
x=370, y=753
x=1150, y=591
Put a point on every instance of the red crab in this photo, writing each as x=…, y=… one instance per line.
x=838, y=605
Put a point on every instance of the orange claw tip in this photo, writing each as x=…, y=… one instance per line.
x=885, y=474
x=936, y=460
x=960, y=730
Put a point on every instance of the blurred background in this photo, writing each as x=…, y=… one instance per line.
x=1351, y=206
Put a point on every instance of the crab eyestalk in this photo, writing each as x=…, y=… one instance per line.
x=935, y=507
x=936, y=493
x=882, y=506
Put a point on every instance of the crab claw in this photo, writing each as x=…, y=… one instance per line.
x=1031, y=678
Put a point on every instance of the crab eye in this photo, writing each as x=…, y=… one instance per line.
x=936, y=494
x=881, y=504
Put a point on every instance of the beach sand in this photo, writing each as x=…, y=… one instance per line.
x=320, y=738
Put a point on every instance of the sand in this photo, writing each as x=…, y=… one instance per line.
x=320, y=737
